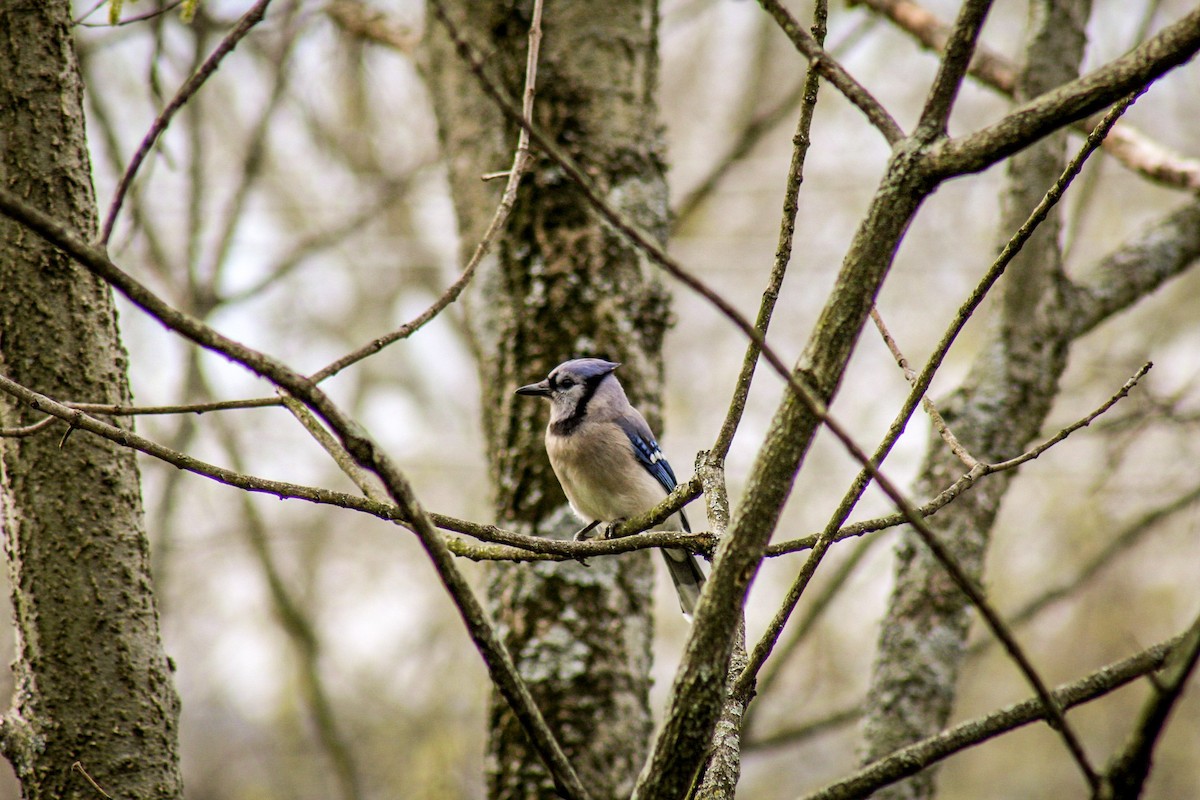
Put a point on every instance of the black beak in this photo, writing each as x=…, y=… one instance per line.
x=539, y=389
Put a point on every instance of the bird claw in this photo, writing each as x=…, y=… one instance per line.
x=582, y=535
x=609, y=528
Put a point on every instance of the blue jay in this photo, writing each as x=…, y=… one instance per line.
x=606, y=459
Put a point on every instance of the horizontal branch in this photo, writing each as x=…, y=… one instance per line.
x=112, y=410
x=534, y=547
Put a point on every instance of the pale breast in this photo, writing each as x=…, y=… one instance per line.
x=599, y=474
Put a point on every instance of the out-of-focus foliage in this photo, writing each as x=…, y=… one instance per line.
x=300, y=204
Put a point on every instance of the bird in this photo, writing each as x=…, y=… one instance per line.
x=607, y=461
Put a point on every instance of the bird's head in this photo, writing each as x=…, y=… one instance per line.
x=570, y=385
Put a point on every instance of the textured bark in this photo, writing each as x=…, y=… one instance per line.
x=996, y=413
x=93, y=684
x=560, y=285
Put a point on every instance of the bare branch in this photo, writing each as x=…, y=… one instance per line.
x=1030, y=121
x=920, y=755
x=185, y=408
x=935, y=416
x=1126, y=144
x=783, y=250
x=1054, y=713
x=189, y=88
x=362, y=479
x=1129, y=770
x=953, y=68
x=833, y=72
x=26, y=430
x=1067, y=431
x=520, y=164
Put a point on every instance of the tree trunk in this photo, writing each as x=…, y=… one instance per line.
x=560, y=285
x=93, y=685
x=995, y=414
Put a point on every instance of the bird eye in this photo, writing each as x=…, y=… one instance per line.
x=566, y=383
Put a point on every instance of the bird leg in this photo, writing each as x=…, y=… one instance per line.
x=582, y=534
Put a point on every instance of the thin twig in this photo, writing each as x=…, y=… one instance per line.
x=78, y=767
x=189, y=88
x=185, y=408
x=26, y=430
x=963, y=483
x=174, y=4
x=1012, y=463
x=361, y=478
x=834, y=72
x=935, y=416
x=520, y=164
x=783, y=249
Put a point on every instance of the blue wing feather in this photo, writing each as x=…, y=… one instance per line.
x=648, y=454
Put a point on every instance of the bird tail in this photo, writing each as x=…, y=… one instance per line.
x=687, y=577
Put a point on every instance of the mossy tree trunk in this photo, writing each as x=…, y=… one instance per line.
x=93, y=685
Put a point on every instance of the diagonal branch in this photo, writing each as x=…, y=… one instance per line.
x=521, y=161
x=1030, y=121
x=1129, y=146
x=835, y=73
x=1128, y=772
x=918, y=756
x=783, y=250
x=189, y=88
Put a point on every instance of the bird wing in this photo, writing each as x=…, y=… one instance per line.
x=648, y=454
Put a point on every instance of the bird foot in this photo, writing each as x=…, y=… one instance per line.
x=582, y=535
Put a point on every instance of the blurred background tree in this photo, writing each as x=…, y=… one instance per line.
x=302, y=202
